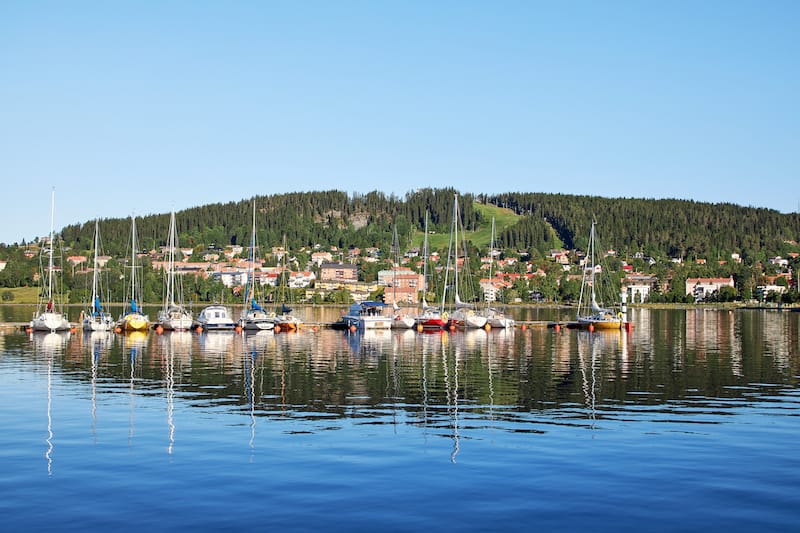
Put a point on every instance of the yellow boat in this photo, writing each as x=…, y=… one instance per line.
x=133, y=319
x=135, y=322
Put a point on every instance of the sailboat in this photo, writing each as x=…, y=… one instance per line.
x=173, y=315
x=254, y=317
x=284, y=320
x=431, y=317
x=50, y=315
x=494, y=316
x=463, y=315
x=591, y=313
x=95, y=318
x=400, y=320
x=133, y=319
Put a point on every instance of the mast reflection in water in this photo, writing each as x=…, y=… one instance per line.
x=502, y=429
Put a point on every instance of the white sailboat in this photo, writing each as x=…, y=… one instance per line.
x=173, y=315
x=495, y=317
x=463, y=315
x=133, y=318
x=591, y=313
x=254, y=317
x=95, y=318
x=50, y=315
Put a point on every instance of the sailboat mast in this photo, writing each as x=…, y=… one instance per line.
x=170, y=299
x=282, y=272
x=591, y=258
x=133, y=258
x=455, y=246
x=50, y=261
x=491, y=251
x=94, y=274
x=425, y=264
x=250, y=269
x=395, y=262
x=595, y=307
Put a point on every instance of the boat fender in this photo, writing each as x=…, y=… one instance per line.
x=444, y=315
x=619, y=315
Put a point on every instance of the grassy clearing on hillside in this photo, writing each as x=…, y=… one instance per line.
x=482, y=236
x=21, y=295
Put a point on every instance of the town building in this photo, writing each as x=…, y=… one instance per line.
x=338, y=272
x=702, y=288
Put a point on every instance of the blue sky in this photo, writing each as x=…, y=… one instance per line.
x=142, y=107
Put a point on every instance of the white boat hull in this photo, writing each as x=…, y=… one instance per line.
x=403, y=322
x=50, y=321
x=257, y=320
x=467, y=319
x=175, y=320
x=215, y=318
x=368, y=322
x=98, y=323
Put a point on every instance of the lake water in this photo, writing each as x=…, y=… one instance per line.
x=690, y=422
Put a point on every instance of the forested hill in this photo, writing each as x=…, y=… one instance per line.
x=673, y=228
x=658, y=228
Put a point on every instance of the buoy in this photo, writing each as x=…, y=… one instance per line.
x=28, y=330
x=277, y=328
x=353, y=328
x=237, y=328
x=591, y=327
x=557, y=327
x=73, y=330
x=118, y=329
x=199, y=329
x=487, y=326
x=159, y=329
x=523, y=327
x=420, y=328
x=452, y=327
x=628, y=326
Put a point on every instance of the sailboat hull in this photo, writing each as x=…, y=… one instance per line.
x=135, y=322
x=287, y=323
x=403, y=322
x=102, y=322
x=257, y=320
x=175, y=320
x=50, y=321
x=610, y=323
x=472, y=321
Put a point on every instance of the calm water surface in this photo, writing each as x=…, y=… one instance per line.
x=689, y=422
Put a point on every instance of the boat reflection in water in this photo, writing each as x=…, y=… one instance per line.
x=49, y=346
x=368, y=342
x=259, y=341
x=98, y=343
x=216, y=342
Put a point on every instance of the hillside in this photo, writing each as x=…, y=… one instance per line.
x=533, y=222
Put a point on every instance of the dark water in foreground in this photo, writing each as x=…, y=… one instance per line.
x=690, y=422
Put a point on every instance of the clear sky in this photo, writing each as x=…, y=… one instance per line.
x=145, y=106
